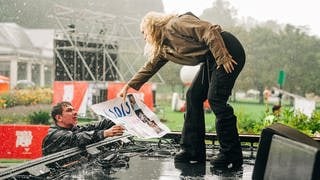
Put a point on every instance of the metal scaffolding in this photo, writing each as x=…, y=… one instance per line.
x=114, y=42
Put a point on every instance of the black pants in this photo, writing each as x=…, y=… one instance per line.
x=216, y=86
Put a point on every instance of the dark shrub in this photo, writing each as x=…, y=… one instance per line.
x=40, y=117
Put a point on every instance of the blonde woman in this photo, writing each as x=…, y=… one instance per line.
x=187, y=40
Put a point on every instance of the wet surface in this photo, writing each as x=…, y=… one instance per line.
x=167, y=169
x=163, y=168
x=131, y=159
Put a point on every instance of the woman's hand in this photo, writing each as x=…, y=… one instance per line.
x=123, y=92
x=229, y=65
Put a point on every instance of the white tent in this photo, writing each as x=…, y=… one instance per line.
x=26, y=54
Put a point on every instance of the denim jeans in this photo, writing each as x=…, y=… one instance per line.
x=216, y=86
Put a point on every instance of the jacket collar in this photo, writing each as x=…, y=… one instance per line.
x=188, y=13
x=55, y=126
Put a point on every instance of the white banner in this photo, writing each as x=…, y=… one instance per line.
x=304, y=106
x=134, y=115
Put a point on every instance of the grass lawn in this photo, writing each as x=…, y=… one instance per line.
x=4, y=163
x=174, y=120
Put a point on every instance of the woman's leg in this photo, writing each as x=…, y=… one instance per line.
x=218, y=94
x=193, y=132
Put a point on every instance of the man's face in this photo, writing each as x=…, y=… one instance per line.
x=68, y=118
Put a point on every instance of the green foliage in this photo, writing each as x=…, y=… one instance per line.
x=40, y=117
x=314, y=122
x=19, y=114
x=271, y=47
x=220, y=13
x=252, y=118
x=290, y=49
x=26, y=97
x=7, y=100
x=299, y=121
x=248, y=125
x=173, y=80
x=13, y=119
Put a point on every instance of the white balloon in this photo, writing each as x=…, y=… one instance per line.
x=187, y=73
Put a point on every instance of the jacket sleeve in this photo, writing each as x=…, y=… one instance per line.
x=193, y=28
x=99, y=125
x=61, y=139
x=150, y=68
x=91, y=133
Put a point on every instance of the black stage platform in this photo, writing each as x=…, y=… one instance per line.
x=163, y=168
x=128, y=158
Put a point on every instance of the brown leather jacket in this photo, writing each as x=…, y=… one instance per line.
x=186, y=40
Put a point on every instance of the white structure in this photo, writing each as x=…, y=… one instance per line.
x=26, y=54
x=301, y=104
x=187, y=73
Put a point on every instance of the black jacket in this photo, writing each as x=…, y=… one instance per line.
x=59, y=138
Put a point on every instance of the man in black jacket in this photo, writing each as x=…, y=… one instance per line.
x=66, y=133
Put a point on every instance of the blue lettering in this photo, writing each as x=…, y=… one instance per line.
x=128, y=106
x=113, y=113
x=117, y=111
x=121, y=111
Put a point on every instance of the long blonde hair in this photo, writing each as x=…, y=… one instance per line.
x=152, y=24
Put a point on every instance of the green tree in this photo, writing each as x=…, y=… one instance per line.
x=300, y=59
x=171, y=75
x=220, y=13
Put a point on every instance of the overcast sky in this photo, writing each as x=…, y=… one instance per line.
x=295, y=12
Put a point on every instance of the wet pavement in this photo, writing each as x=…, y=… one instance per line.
x=137, y=160
x=162, y=168
x=166, y=169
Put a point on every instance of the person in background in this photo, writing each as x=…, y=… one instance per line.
x=276, y=110
x=266, y=97
x=65, y=133
x=274, y=117
x=187, y=40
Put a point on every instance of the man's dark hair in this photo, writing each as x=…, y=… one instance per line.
x=57, y=109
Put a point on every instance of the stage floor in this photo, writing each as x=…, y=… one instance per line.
x=130, y=159
x=163, y=168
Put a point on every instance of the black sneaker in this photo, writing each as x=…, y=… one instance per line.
x=221, y=161
x=186, y=157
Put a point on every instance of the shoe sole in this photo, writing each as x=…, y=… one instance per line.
x=227, y=166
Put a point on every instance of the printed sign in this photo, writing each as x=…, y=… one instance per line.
x=22, y=141
x=134, y=115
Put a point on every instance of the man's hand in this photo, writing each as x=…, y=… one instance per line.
x=116, y=130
